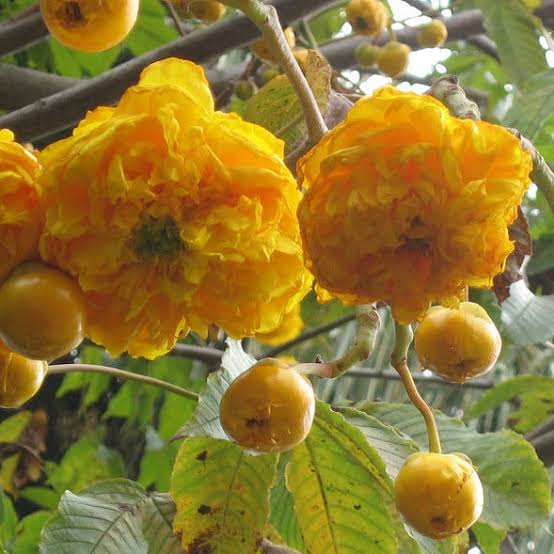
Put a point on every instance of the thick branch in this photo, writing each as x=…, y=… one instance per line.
x=65, y=108
x=20, y=86
x=20, y=32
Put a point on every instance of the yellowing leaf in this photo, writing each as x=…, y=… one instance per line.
x=221, y=495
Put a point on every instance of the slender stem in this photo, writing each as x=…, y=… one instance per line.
x=175, y=16
x=368, y=327
x=265, y=17
x=121, y=374
x=316, y=331
x=404, y=336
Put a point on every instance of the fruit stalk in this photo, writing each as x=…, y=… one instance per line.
x=121, y=374
x=265, y=17
x=404, y=336
x=369, y=322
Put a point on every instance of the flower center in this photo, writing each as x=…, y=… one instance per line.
x=157, y=237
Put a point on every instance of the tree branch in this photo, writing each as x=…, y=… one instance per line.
x=65, y=108
x=21, y=32
x=20, y=86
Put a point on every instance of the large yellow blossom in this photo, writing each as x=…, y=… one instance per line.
x=20, y=204
x=407, y=204
x=290, y=328
x=173, y=216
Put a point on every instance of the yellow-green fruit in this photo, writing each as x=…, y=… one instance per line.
x=20, y=378
x=432, y=34
x=458, y=343
x=42, y=312
x=367, y=54
x=206, y=10
x=268, y=75
x=439, y=495
x=262, y=49
x=394, y=58
x=268, y=408
x=244, y=90
x=367, y=17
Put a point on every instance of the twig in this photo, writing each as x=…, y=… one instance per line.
x=266, y=18
x=200, y=353
x=316, y=331
x=374, y=373
x=175, y=16
x=121, y=374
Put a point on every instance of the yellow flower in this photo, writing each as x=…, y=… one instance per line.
x=290, y=328
x=20, y=204
x=407, y=204
x=173, y=216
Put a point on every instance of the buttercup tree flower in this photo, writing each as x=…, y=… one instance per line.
x=173, y=216
x=409, y=205
x=20, y=204
x=290, y=327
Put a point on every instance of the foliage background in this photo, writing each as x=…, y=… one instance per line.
x=85, y=428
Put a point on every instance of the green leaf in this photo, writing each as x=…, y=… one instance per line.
x=532, y=108
x=221, y=495
x=41, y=496
x=12, y=427
x=394, y=447
x=28, y=532
x=157, y=462
x=86, y=461
x=515, y=482
x=515, y=32
x=95, y=384
x=277, y=108
x=205, y=421
x=528, y=319
x=489, y=538
x=283, y=517
x=150, y=31
x=342, y=494
x=536, y=400
x=112, y=517
x=8, y=521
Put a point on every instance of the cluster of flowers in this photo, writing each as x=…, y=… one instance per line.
x=172, y=216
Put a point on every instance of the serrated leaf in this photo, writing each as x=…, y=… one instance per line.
x=277, y=108
x=205, y=421
x=536, y=400
x=532, y=108
x=489, y=538
x=528, y=319
x=515, y=32
x=342, y=494
x=515, y=482
x=112, y=517
x=221, y=495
